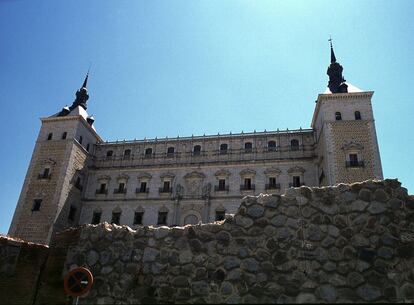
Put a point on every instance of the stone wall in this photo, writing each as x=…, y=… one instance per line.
x=348, y=243
x=335, y=244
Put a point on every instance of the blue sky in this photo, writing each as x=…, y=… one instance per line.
x=168, y=68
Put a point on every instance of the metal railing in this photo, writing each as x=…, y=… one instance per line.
x=103, y=192
x=43, y=176
x=275, y=186
x=251, y=187
x=141, y=191
x=118, y=191
x=165, y=190
x=217, y=188
x=354, y=164
x=296, y=185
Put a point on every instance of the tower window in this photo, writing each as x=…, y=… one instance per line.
x=72, y=213
x=294, y=144
x=353, y=160
x=87, y=147
x=248, y=147
x=49, y=136
x=271, y=146
x=96, y=218
x=170, y=151
x=223, y=148
x=338, y=116
x=220, y=215
x=196, y=150
x=109, y=153
x=36, y=205
x=148, y=152
x=357, y=115
x=80, y=140
x=64, y=135
x=138, y=216
x=46, y=174
x=162, y=218
x=116, y=218
x=78, y=183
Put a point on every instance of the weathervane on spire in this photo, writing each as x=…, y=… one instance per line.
x=336, y=82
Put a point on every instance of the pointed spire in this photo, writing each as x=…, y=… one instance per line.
x=85, y=82
x=333, y=58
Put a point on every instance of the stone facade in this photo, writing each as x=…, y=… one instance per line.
x=76, y=178
x=348, y=243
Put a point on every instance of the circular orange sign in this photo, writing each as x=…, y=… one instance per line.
x=78, y=282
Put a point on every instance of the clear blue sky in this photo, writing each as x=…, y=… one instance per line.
x=168, y=68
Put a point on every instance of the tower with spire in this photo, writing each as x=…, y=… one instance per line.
x=50, y=199
x=346, y=139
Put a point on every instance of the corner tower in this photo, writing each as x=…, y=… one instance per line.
x=346, y=138
x=50, y=199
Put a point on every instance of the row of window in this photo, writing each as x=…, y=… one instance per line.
x=223, y=149
x=139, y=217
x=63, y=137
x=338, y=115
x=37, y=204
x=222, y=186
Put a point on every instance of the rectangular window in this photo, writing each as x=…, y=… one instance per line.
x=64, y=135
x=102, y=188
x=87, y=147
x=162, y=218
x=353, y=159
x=46, y=172
x=138, y=218
x=121, y=187
x=80, y=140
x=166, y=186
x=116, y=217
x=96, y=218
x=36, y=205
x=247, y=184
x=72, y=213
x=143, y=187
x=222, y=184
x=296, y=181
x=49, y=136
x=220, y=215
x=272, y=182
x=78, y=183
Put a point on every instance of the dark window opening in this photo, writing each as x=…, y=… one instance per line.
x=196, y=150
x=143, y=187
x=46, y=174
x=223, y=148
x=162, y=218
x=109, y=153
x=64, y=135
x=294, y=144
x=102, y=188
x=72, y=213
x=96, y=218
x=338, y=116
x=148, y=153
x=121, y=187
x=357, y=115
x=80, y=140
x=222, y=184
x=127, y=153
x=166, y=186
x=272, y=182
x=36, y=205
x=116, y=218
x=220, y=215
x=49, y=136
x=87, y=147
x=296, y=181
x=353, y=160
x=248, y=147
x=170, y=151
x=247, y=184
x=138, y=218
x=271, y=146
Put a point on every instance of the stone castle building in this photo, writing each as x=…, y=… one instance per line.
x=75, y=177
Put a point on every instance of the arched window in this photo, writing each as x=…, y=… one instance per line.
x=223, y=148
x=64, y=135
x=148, y=152
x=197, y=150
x=357, y=115
x=127, y=153
x=294, y=144
x=170, y=151
x=248, y=147
x=109, y=154
x=338, y=116
x=271, y=145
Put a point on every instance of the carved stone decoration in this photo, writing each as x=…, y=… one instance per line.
x=336, y=81
x=194, y=175
x=123, y=177
x=247, y=173
x=296, y=169
x=207, y=190
x=104, y=178
x=144, y=175
x=222, y=173
x=272, y=171
x=352, y=146
x=167, y=175
x=194, y=188
x=179, y=191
